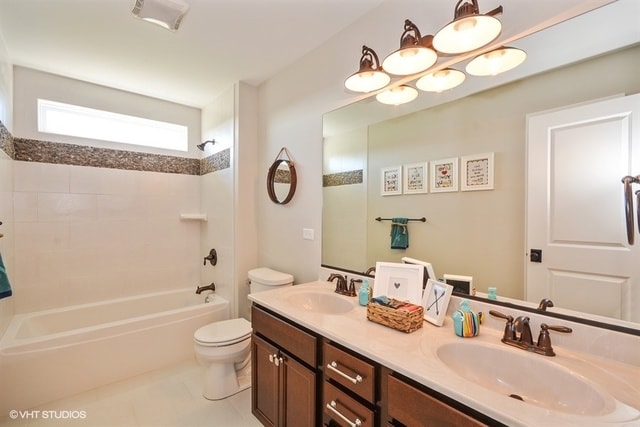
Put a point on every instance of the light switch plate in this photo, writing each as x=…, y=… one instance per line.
x=307, y=233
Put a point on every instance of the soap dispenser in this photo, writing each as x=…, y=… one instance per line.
x=466, y=323
x=363, y=293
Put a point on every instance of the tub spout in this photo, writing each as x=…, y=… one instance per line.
x=211, y=287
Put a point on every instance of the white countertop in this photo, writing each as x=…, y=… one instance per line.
x=414, y=355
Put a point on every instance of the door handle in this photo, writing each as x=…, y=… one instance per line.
x=628, y=206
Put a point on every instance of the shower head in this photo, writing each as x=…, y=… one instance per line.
x=201, y=146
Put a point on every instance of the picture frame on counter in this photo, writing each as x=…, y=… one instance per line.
x=444, y=175
x=399, y=281
x=391, y=180
x=477, y=172
x=435, y=301
x=415, y=178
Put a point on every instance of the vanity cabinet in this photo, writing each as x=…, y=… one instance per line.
x=284, y=372
x=349, y=390
x=409, y=406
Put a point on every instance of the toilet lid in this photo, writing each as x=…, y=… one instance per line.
x=225, y=332
x=269, y=277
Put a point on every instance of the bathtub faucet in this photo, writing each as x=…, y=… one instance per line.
x=211, y=287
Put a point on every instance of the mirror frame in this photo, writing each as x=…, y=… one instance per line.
x=271, y=179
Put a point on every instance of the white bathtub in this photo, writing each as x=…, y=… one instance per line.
x=55, y=353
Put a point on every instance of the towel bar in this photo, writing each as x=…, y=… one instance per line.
x=423, y=219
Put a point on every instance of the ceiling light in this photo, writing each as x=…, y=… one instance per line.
x=397, y=95
x=496, y=61
x=415, y=53
x=166, y=13
x=370, y=75
x=469, y=30
x=441, y=80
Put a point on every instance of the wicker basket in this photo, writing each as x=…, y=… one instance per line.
x=397, y=319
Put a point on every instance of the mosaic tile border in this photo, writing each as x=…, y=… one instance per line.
x=6, y=141
x=32, y=150
x=342, y=178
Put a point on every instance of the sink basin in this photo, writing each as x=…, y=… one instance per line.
x=532, y=378
x=320, y=302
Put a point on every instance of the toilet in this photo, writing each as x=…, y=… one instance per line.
x=224, y=347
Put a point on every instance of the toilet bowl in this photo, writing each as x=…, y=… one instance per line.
x=224, y=348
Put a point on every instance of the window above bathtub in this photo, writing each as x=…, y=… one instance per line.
x=73, y=120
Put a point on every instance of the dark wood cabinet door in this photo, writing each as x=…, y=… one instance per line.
x=265, y=382
x=299, y=388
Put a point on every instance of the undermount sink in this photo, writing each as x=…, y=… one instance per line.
x=528, y=377
x=320, y=302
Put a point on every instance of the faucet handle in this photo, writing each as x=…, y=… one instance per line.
x=509, y=330
x=544, y=339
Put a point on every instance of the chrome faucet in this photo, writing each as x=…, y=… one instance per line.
x=517, y=333
x=341, y=283
x=211, y=287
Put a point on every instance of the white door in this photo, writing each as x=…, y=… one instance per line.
x=576, y=159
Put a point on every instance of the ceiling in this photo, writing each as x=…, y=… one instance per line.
x=220, y=42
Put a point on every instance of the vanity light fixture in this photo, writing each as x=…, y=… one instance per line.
x=370, y=76
x=496, y=61
x=166, y=13
x=469, y=29
x=397, y=95
x=415, y=54
x=441, y=80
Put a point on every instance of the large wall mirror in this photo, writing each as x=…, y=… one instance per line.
x=473, y=233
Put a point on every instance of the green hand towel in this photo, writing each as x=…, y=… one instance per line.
x=5, y=287
x=399, y=233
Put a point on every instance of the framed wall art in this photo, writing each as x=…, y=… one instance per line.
x=444, y=175
x=391, y=180
x=435, y=301
x=415, y=178
x=400, y=281
x=477, y=172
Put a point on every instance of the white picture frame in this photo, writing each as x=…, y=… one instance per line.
x=477, y=172
x=391, y=180
x=462, y=284
x=399, y=281
x=415, y=178
x=435, y=301
x=444, y=175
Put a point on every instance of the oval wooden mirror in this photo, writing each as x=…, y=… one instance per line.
x=281, y=181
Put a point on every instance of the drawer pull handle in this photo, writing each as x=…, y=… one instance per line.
x=334, y=367
x=332, y=407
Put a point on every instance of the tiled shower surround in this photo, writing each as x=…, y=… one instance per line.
x=93, y=224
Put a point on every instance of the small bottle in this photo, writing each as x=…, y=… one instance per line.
x=492, y=293
x=363, y=293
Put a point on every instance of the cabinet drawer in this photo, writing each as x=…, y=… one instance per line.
x=413, y=407
x=297, y=342
x=336, y=402
x=349, y=371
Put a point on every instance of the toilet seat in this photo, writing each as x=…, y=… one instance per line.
x=223, y=333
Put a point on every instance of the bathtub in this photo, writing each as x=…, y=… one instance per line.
x=51, y=354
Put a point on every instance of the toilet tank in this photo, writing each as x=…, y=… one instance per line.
x=264, y=279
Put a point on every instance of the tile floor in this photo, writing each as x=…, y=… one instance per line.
x=170, y=397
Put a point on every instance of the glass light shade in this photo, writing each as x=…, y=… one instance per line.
x=367, y=81
x=409, y=60
x=397, y=95
x=467, y=34
x=496, y=61
x=166, y=13
x=441, y=80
